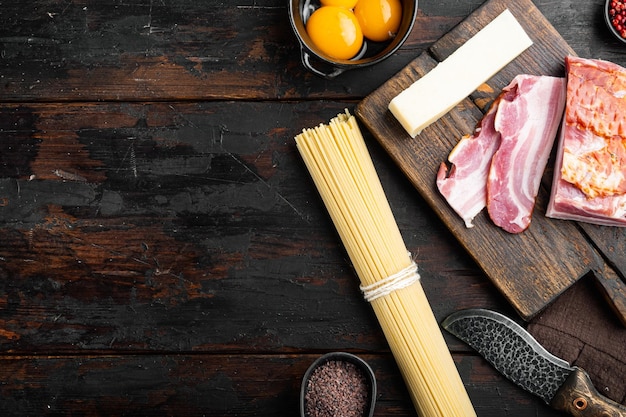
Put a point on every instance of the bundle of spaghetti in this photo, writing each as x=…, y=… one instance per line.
x=344, y=174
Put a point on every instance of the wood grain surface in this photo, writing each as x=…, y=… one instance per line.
x=164, y=251
x=531, y=268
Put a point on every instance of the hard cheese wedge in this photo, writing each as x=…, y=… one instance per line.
x=477, y=60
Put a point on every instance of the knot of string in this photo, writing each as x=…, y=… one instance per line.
x=386, y=286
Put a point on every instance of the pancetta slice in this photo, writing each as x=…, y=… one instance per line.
x=500, y=165
x=589, y=181
x=528, y=118
x=465, y=185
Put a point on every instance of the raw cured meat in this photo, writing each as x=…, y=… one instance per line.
x=589, y=181
x=528, y=118
x=519, y=128
x=465, y=188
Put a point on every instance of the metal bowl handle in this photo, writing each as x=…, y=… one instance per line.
x=306, y=61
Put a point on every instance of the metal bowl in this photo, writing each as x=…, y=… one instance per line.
x=372, y=53
x=345, y=357
x=607, y=19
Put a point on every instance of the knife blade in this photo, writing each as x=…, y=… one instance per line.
x=519, y=357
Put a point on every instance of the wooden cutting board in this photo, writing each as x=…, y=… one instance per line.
x=532, y=268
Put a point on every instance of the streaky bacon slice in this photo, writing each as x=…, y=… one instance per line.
x=532, y=107
x=528, y=119
x=589, y=181
x=465, y=185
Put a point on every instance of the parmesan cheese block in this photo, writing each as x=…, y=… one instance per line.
x=477, y=60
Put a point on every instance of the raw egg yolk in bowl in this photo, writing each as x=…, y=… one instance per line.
x=335, y=31
x=379, y=19
x=339, y=28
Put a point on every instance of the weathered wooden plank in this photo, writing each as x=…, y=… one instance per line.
x=183, y=226
x=190, y=232
x=610, y=272
x=215, y=385
x=611, y=241
x=144, y=50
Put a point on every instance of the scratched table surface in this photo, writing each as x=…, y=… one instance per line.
x=164, y=251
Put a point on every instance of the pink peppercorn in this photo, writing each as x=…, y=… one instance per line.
x=617, y=15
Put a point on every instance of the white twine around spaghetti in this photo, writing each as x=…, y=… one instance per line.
x=386, y=286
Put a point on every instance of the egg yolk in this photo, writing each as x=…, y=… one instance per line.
x=346, y=4
x=379, y=19
x=335, y=31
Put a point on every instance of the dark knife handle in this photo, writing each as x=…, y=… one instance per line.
x=578, y=397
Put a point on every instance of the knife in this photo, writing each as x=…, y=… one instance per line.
x=520, y=358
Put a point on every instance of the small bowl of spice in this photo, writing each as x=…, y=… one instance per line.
x=338, y=384
x=615, y=17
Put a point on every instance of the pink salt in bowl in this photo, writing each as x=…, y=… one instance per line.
x=338, y=383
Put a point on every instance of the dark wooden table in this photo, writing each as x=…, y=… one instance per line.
x=164, y=251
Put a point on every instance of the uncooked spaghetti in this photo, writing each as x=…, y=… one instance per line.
x=344, y=174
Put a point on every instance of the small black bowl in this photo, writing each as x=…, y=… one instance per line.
x=607, y=19
x=341, y=357
x=321, y=64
